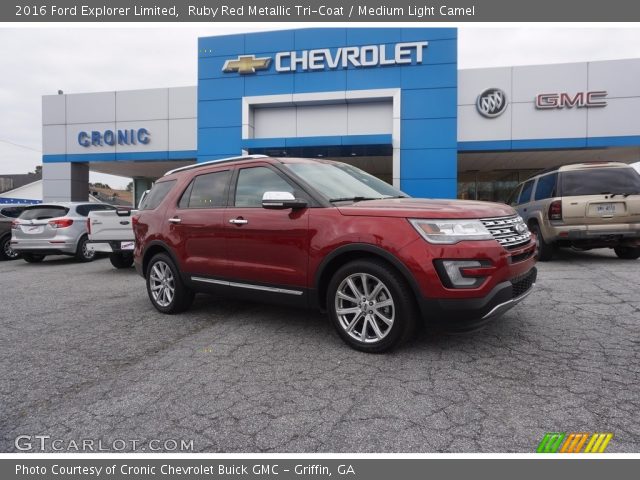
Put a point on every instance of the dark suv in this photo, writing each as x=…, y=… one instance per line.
x=326, y=235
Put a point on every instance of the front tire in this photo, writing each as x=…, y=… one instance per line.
x=165, y=287
x=32, y=257
x=121, y=260
x=371, y=306
x=627, y=253
x=6, y=252
x=545, y=250
x=83, y=254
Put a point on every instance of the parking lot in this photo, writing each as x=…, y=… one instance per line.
x=84, y=355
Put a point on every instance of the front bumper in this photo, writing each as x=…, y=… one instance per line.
x=461, y=315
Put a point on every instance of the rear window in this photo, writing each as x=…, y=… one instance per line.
x=43, y=213
x=84, y=210
x=156, y=195
x=601, y=180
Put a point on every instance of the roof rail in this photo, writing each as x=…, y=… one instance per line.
x=212, y=162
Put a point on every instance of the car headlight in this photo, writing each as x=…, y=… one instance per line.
x=451, y=231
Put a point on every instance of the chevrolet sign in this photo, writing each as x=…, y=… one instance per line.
x=324, y=58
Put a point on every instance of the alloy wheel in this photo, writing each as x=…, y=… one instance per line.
x=162, y=284
x=364, y=307
x=9, y=252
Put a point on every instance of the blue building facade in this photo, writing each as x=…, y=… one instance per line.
x=414, y=70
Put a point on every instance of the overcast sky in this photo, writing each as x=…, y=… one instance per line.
x=39, y=61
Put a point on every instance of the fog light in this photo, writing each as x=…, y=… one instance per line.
x=453, y=267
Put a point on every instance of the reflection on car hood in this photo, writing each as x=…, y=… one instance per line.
x=426, y=208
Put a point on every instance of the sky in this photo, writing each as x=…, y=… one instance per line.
x=41, y=61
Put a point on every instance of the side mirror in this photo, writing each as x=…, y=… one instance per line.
x=281, y=200
x=123, y=211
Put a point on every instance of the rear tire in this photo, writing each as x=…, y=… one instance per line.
x=545, y=250
x=371, y=306
x=121, y=260
x=6, y=252
x=32, y=257
x=627, y=253
x=165, y=287
x=83, y=254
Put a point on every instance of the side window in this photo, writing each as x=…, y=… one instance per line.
x=157, y=194
x=206, y=191
x=525, y=196
x=546, y=186
x=253, y=182
x=514, y=196
x=83, y=210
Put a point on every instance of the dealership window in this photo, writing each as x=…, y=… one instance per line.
x=206, y=191
x=491, y=186
x=254, y=182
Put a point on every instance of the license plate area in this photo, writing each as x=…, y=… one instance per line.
x=604, y=209
x=32, y=229
x=126, y=245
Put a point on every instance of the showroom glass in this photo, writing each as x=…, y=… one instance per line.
x=157, y=194
x=546, y=187
x=206, y=191
x=602, y=180
x=253, y=182
x=43, y=213
x=338, y=180
x=525, y=196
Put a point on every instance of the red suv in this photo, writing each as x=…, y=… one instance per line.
x=326, y=235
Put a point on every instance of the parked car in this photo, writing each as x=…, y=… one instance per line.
x=326, y=235
x=584, y=206
x=111, y=232
x=54, y=229
x=7, y=215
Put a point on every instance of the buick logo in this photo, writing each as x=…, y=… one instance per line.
x=491, y=103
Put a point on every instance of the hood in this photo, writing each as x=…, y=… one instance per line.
x=426, y=208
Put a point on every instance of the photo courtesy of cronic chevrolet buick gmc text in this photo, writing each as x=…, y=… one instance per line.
x=326, y=235
x=584, y=206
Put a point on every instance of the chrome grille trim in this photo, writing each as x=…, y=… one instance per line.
x=504, y=230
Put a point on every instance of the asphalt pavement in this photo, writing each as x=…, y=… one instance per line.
x=85, y=358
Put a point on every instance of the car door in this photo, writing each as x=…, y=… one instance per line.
x=264, y=246
x=196, y=224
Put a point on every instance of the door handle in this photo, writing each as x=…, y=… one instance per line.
x=174, y=220
x=238, y=221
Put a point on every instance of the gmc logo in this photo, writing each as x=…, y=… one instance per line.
x=565, y=100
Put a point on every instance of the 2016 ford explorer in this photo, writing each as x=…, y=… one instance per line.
x=326, y=235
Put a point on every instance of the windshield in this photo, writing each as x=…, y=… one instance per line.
x=339, y=181
x=43, y=213
x=603, y=180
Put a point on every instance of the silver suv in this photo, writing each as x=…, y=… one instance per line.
x=584, y=206
x=54, y=229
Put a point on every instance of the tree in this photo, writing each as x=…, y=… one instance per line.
x=129, y=187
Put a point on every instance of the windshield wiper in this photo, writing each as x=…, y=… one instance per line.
x=352, y=199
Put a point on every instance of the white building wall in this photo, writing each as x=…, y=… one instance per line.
x=522, y=121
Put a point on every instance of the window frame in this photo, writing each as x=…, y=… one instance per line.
x=189, y=189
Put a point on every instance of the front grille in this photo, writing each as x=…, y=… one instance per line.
x=521, y=285
x=505, y=230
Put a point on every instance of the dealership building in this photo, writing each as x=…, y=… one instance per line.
x=388, y=100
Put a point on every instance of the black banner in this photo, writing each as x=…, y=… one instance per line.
x=325, y=11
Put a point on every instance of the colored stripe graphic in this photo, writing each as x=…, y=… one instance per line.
x=558, y=442
x=551, y=442
x=598, y=442
x=574, y=443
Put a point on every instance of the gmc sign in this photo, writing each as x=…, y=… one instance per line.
x=565, y=100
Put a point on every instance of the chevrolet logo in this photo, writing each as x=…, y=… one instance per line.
x=246, y=64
